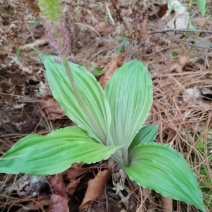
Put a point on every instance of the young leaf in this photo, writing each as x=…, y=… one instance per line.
x=129, y=93
x=53, y=153
x=163, y=169
x=145, y=135
x=91, y=93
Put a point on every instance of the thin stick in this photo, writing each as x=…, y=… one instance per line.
x=179, y=30
x=109, y=13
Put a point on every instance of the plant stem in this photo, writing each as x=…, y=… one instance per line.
x=82, y=103
x=125, y=156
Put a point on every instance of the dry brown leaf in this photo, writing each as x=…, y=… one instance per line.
x=75, y=171
x=57, y=184
x=71, y=187
x=95, y=187
x=111, y=67
x=58, y=204
x=157, y=11
x=52, y=108
x=143, y=30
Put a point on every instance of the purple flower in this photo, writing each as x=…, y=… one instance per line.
x=58, y=36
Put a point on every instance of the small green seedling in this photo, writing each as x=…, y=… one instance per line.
x=123, y=45
x=109, y=125
x=175, y=54
x=96, y=71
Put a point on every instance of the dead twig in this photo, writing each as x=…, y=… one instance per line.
x=179, y=30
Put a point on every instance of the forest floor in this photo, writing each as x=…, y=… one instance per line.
x=103, y=36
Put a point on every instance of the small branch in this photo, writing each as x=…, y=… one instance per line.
x=89, y=27
x=187, y=43
x=109, y=13
x=179, y=30
x=117, y=11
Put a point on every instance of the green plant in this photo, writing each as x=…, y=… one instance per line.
x=114, y=130
x=175, y=54
x=109, y=125
x=96, y=71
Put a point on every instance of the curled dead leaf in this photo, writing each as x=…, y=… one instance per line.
x=71, y=187
x=95, y=187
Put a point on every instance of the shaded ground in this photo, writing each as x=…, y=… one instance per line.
x=180, y=64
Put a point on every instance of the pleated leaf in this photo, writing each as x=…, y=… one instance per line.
x=145, y=135
x=91, y=93
x=53, y=153
x=163, y=169
x=129, y=93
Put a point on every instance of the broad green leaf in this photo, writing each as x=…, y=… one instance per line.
x=91, y=92
x=145, y=135
x=202, y=6
x=53, y=153
x=163, y=169
x=129, y=93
